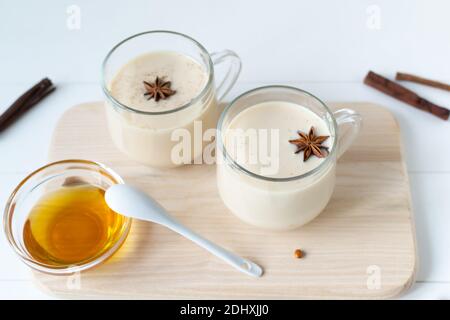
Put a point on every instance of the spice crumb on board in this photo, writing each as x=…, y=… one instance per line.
x=298, y=254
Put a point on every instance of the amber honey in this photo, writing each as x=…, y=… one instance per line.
x=71, y=225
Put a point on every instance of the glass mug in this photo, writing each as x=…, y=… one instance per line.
x=147, y=136
x=282, y=203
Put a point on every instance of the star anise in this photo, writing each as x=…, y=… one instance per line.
x=158, y=90
x=310, y=144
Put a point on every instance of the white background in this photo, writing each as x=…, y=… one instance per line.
x=325, y=47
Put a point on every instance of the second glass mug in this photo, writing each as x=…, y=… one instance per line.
x=282, y=203
x=147, y=136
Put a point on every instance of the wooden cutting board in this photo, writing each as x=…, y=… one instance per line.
x=361, y=246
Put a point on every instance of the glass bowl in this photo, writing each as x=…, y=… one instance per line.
x=45, y=180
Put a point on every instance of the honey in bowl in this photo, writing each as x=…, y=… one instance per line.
x=71, y=225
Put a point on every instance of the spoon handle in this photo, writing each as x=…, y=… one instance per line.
x=243, y=265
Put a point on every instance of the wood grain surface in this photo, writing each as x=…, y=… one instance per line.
x=361, y=246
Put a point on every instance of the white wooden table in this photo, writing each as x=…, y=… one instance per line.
x=325, y=47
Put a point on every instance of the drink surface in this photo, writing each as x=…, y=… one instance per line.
x=187, y=77
x=71, y=225
x=275, y=155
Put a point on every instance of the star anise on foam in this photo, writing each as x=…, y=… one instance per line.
x=310, y=144
x=158, y=90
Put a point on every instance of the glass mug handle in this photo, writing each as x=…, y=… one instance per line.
x=231, y=75
x=349, y=124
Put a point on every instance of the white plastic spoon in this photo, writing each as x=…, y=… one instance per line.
x=136, y=204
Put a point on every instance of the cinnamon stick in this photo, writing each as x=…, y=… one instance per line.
x=431, y=83
x=25, y=102
x=403, y=94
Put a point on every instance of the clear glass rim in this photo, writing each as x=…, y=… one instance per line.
x=188, y=104
x=229, y=160
x=51, y=269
